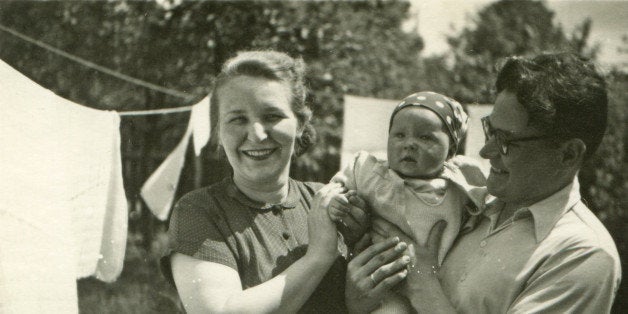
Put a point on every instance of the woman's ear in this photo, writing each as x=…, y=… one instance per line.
x=301, y=128
x=573, y=152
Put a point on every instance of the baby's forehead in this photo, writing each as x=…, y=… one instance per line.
x=416, y=113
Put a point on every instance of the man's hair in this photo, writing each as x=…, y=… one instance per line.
x=563, y=93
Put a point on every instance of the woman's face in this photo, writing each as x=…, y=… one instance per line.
x=257, y=128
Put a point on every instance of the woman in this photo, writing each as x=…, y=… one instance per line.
x=258, y=241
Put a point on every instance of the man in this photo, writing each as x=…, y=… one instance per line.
x=537, y=247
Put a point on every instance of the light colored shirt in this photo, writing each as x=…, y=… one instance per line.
x=552, y=257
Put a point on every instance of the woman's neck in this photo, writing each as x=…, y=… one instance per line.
x=270, y=192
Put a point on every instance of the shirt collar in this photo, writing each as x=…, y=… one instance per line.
x=548, y=211
x=545, y=213
x=238, y=196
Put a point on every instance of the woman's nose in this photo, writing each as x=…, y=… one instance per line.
x=489, y=150
x=257, y=132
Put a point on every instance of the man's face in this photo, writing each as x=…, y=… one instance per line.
x=529, y=171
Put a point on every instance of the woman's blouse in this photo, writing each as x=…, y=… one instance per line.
x=220, y=224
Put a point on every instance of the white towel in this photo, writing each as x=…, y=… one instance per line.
x=114, y=232
x=159, y=190
x=199, y=119
x=56, y=160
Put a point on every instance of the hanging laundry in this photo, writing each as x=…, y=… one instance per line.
x=62, y=197
x=114, y=233
x=200, y=124
x=365, y=115
x=159, y=190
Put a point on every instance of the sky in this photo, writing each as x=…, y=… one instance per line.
x=438, y=18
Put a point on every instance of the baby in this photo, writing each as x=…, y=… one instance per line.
x=423, y=181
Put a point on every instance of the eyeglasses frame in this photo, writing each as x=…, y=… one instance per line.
x=502, y=143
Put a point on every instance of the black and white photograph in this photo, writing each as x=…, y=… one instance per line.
x=306, y=156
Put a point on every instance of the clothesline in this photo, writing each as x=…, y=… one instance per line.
x=154, y=111
x=97, y=67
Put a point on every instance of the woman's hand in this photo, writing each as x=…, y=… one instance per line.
x=373, y=272
x=356, y=221
x=323, y=237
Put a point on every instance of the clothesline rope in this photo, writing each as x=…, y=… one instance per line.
x=97, y=67
x=154, y=111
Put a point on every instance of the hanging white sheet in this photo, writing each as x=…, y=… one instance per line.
x=200, y=124
x=159, y=190
x=64, y=213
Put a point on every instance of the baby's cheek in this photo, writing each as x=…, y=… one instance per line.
x=435, y=154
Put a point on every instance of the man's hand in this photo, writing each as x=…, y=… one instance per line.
x=374, y=272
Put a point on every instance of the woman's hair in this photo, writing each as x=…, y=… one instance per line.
x=563, y=94
x=271, y=65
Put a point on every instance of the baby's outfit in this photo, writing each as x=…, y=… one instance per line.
x=415, y=205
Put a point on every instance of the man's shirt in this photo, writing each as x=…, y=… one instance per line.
x=554, y=256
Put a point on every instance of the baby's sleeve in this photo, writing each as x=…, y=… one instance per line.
x=471, y=169
x=346, y=175
x=350, y=175
x=468, y=175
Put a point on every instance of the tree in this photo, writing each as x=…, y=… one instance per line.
x=502, y=29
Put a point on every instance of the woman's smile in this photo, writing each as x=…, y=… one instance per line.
x=259, y=154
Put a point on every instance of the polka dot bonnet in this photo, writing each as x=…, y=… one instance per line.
x=447, y=109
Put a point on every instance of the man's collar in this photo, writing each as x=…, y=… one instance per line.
x=545, y=213
x=548, y=211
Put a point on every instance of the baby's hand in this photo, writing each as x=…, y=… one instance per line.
x=339, y=206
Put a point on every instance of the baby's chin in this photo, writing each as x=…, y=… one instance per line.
x=418, y=173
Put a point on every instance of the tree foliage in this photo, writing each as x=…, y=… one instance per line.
x=182, y=46
x=502, y=29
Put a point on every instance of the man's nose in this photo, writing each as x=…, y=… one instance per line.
x=257, y=132
x=489, y=150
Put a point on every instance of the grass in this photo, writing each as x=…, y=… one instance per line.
x=141, y=287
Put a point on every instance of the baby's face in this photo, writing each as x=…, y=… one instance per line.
x=418, y=143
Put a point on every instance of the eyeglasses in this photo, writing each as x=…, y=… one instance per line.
x=500, y=138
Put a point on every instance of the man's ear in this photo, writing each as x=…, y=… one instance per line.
x=573, y=152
